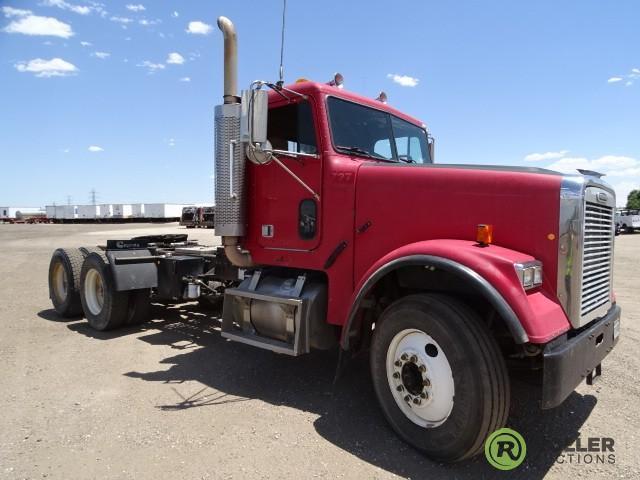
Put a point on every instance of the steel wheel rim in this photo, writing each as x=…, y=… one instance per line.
x=94, y=291
x=60, y=282
x=420, y=378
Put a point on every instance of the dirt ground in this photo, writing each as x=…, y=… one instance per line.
x=172, y=399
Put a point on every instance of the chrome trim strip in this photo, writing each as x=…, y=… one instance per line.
x=574, y=191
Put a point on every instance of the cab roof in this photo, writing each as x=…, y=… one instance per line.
x=322, y=89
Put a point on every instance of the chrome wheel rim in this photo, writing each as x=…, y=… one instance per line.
x=94, y=291
x=60, y=282
x=420, y=378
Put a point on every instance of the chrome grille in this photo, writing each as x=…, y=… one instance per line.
x=597, y=257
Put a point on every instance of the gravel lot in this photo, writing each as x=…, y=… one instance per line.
x=172, y=399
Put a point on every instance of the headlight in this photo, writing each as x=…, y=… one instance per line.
x=529, y=273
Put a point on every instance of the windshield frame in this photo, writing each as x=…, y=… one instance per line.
x=394, y=159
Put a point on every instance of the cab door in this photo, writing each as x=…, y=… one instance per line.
x=285, y=215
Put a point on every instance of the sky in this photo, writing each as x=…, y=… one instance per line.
x=119, y=96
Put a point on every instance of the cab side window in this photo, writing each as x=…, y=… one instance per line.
x=291, y=128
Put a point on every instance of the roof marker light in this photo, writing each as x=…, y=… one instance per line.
x=337, y=81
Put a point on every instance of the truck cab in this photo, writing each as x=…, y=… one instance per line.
x=335, y=230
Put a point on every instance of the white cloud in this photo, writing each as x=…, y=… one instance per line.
x=135, y=8
x=621, y=172
x=537, y=157
x=15, y=12
x=56, y=67
x=144, y=22
x=151, y=67
x=121, y=20
x=199, y=28
x=36, y=25
x=403, y=80
x=86, y=44
x=95, y=148
x=79, y=9
x=175, y=58
x=172, y=142
x=101, y=55
x=629, y=78
x=175, y=14
x=185, y=79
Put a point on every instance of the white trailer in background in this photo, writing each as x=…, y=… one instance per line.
x=88, y=212
x=106, y=210
x=66, y=212
x=17, y=213
x=163, y=211
x=121, y=210
x=137, y=210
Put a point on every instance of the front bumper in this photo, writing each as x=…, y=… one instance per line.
x=568, y=362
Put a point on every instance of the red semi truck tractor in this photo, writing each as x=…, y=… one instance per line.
x=336, y=233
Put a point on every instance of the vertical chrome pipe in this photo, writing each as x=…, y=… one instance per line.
x=230, y=60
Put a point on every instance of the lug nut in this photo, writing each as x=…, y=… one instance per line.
x=417, y=401
x=396, y=375
x=413, y=359
x=400, y=388
x=398, y=363
x=422, y=368
x=423, y=395
x=407, y=398
x=403, y=357
x=426, y=382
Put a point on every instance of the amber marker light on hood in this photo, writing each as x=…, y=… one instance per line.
x=484, y=235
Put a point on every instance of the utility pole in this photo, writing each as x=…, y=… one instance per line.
x=68, y=199
x=94, y=196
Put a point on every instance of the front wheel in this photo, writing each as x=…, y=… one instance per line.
x=439, y=376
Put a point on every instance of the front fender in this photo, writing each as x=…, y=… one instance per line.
x=531, y=316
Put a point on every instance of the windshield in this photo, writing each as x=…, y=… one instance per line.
x=375, y=134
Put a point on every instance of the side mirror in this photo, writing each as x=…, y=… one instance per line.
x=432, y=147
x=253, y=120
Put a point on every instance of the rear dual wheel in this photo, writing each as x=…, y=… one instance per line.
x=104, y=307
x=64, y=281
x=439, y=376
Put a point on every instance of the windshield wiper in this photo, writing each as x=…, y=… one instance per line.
x=363, y=152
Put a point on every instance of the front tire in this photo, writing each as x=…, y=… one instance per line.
x=439, y=376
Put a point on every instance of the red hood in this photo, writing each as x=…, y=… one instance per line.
x=410, y=203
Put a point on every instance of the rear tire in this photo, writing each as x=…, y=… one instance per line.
x=104, y=307
x=437, y=353
x=64, y=281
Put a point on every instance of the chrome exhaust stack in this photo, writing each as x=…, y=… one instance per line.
x=230, y=159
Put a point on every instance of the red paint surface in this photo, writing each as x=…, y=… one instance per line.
x=412, y=208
